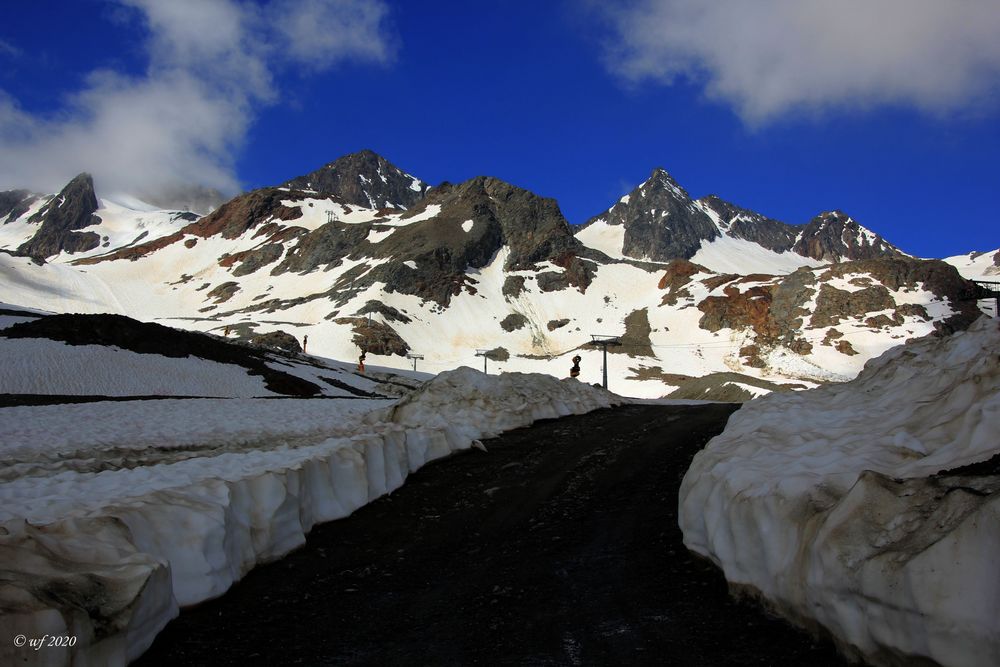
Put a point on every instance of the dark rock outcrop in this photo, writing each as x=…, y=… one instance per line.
x=72, y=209
x=745, y=224
x=277, y=340
x=661, y=221
x=254, y=209
x=835, y=237
x=498, y=354
x=15, y=203
x=444, y=246
x=375, y=337
x=363, y=179
x=935, y=276
x=513, y=322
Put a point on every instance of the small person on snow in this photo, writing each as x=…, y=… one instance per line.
x=225, y=332
x=361, y=363
x=305, y=341
x=575, y=370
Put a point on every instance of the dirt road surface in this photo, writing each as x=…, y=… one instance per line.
x=558, y=546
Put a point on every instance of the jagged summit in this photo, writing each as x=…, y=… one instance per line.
x=364, y=179
x=73, y=208
x=661, y=178
x=659, y=221
x=742, y=223
x=834, y=235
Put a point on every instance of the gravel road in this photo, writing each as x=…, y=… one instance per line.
x=557, y=546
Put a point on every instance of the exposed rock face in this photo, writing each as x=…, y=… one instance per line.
x=277, y=340
x=745, y=224
x=235, y=217
x=71, y=209
x=513, y=286
x=777, y=311
x=514, y=321
x=635, y=341
x=498, y=354
x=835, y=236
x=230, y=221
x=15, y=203
x=364, y=179
x=661, y=221
x=224, y=292
x=375, y=337
x=471, y=222
x=833, y=305
x=774, y=312
x=388, y=312
x=552, y=325
x=323, y=247
x=939, y=278
x=675, y=279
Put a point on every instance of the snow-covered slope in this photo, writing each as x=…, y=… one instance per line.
x=130, y=509
x=111, y=355
x=484, y=266
x=838, y=507
x=978, y=265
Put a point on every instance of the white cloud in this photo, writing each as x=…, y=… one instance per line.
x=211, y=64
x=768, y=58
x=318, y=32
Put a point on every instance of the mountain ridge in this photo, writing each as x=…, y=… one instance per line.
x=486, y=265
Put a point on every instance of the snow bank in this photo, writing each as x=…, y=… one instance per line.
x=106, y=529
x=829, y=503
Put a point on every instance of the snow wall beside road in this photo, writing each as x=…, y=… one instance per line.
x=836, y=506
x=113, y=573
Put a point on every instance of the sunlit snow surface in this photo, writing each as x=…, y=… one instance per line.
x=113, y=514
x=977, y=265
x=824, y=501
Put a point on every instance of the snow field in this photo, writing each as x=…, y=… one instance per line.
x=827, y=504
x=158, y=506
x=42, y=366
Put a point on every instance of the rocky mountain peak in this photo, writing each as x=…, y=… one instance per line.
x=73, y=208
x=661, y=221
x=661, y=179
x=364, y=179
x=835, y=236
x=738, y=222
x=15, y=203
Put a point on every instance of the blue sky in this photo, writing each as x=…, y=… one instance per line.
x=789, y=115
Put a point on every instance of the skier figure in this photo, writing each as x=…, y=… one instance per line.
x=305, y=341
x=575, y=370
x=361, y=363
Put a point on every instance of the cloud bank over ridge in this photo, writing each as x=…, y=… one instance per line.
x=770, y=58
x=211, y=65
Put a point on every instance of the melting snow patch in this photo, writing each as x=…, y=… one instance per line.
x=829, y=503
x=467, y=226
x=132, y=524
